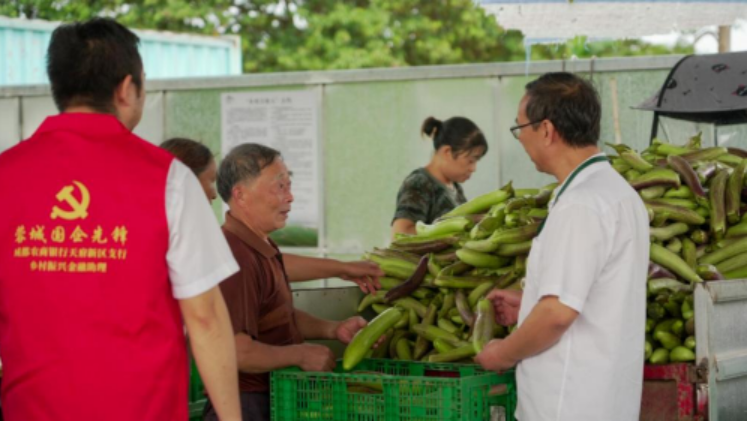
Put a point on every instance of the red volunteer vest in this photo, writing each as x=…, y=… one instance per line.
x=89, y=328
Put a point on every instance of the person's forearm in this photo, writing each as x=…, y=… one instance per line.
x=544, y=327
x=403, y=226
x=313, y=328
x=255, y=357
x=211, y=340
x=306, y=268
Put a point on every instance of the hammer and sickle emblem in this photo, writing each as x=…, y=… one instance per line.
x=78, y=209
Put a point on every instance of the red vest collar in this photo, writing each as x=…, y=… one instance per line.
x=96, y=124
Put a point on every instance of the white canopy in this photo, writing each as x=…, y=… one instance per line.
x=558, y=20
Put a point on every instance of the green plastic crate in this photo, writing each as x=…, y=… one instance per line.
x=196, y=393
x=195, y=409
x=196, y=387
x=393, y=390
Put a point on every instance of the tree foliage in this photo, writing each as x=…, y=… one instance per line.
x=291, y=35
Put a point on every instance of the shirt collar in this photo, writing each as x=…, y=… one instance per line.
x=267, y=248
x=96, y=124
x=557, y=189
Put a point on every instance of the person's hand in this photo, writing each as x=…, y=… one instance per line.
x=347, y=329
x=506, y=304
x=363, y=273
x=315, y=358
x=492, y=359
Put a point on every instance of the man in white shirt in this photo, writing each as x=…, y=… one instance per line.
x=579, y=344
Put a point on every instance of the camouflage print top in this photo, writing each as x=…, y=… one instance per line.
x=423, y=198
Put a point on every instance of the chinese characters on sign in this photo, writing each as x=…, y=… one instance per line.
x=89, y=253
x=287, y=121
x=77, y=247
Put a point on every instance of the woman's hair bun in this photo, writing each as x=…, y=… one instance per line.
x=431, y=127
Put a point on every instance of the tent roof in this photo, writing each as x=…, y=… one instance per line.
x=704, y=87
x=557, y=20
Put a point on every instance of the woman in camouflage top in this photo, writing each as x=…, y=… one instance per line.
x=432, y=191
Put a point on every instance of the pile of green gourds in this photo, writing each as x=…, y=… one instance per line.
x=432, y=304
x=694, y=198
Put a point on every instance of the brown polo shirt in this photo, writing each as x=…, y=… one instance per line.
x=258, y=297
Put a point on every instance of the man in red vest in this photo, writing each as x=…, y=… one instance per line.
x=107, y=249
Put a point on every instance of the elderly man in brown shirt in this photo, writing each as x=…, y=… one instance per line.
x=270, y=333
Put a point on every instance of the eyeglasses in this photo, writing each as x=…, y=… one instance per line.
x=516, y=130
